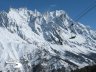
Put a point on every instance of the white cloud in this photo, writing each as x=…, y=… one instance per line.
x=52, y=5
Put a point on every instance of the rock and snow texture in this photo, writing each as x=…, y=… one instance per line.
x=34, y=42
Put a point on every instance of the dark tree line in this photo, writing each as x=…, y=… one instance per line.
x=86, y=69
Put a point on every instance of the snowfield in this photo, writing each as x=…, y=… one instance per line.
x=31, y=41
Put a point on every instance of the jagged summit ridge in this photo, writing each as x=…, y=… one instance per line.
x=47, y=41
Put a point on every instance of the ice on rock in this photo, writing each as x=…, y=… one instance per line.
x=33, y=39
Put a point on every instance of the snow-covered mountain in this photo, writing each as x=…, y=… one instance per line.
x=31, y=41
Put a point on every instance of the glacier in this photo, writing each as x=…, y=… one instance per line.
x=31, y=41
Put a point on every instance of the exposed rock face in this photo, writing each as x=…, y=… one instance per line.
x=49, y=42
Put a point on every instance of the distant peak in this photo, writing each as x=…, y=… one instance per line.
x=59, y=12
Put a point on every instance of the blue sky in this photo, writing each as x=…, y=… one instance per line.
x=72, y=7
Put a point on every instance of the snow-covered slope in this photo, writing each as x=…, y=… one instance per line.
x=34, y=42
